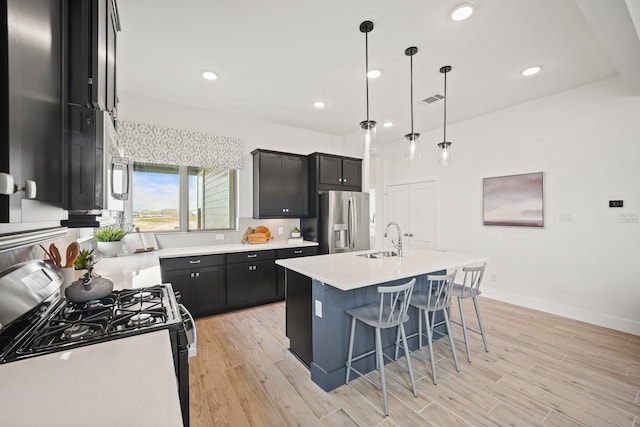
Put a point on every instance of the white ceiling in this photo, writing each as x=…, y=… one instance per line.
x=274, y=58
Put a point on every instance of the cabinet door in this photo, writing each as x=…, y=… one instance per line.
x=112, y=28
x=181, y=282
x=238, y=284
x=270, y=183
x=352, y=173
x=330, y=172
x=295, y=186
x=209, y=290
x=263, y=281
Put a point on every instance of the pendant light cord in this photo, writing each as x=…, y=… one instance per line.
x=366, y=61
x=445, y=107
x=411, y=58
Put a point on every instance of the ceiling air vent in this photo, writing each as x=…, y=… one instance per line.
x=432, y=99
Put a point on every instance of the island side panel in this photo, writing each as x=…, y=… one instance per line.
x=299, y=315
x=331, y=331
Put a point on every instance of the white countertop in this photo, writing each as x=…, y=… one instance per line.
x=143, y=269
x=347, y=271
x=127, y=381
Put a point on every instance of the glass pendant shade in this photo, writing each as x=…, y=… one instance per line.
x=444, y=153
x=368, y=136
x=413, y=150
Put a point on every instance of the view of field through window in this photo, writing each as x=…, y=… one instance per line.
x=156, y=197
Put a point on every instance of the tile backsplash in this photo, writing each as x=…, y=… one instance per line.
x=28, y=253
x=205, y=238
x=166, y=240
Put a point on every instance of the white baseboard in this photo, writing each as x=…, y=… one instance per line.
x=600, y=319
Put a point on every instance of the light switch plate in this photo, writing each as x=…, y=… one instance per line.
x=319, y=308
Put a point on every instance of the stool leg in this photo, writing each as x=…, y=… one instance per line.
x=381, y=369
x=420, y=328
x=464, y=329
x=406, y=354
x=484, y=337
x=453, y=346
x=353, y=332
x=397, y=343
x=429, y=336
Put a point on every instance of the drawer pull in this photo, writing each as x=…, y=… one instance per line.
x=197, y=261
x=299, y=251
x=252, y=256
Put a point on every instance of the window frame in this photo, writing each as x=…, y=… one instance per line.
x=183, y=204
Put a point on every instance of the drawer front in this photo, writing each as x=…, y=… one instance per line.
x=235, y=258
x=191, y=262
x=297, y=252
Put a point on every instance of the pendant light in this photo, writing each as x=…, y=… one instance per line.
x=444, y=154
x=368, y=126
x=412, y=152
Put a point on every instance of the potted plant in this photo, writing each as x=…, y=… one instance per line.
x=295, y=233
x=109, y=240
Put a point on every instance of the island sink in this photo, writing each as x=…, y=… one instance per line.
x=377, y=255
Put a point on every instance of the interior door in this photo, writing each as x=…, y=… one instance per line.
x=422, y=205
x=398, y=203
x=413, y=207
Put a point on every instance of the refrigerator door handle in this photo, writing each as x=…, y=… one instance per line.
x=353, y=232
x=349, y=225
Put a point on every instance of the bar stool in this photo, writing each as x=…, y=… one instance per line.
x=436, y=298
x=390, y=312
x=470, y=289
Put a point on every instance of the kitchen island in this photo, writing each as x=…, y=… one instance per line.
x=321, y=288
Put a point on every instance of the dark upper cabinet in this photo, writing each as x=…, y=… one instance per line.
x=332, y=172
x=31, y=99
x=93, y=25
x=280, y=185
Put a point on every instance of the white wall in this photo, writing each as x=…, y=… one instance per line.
x=254, y=134
x=587, y=143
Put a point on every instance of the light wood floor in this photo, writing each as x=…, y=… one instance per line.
x=541, y=370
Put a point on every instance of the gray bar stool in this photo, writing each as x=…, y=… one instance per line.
x=390, y=312
x=436, y=298
x=470, y=288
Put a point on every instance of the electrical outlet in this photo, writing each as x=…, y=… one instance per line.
x=280, y=230
x=219, y=236
x=629, y=217
x=318, y=308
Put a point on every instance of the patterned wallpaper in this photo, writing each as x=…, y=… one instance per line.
x=156, y=144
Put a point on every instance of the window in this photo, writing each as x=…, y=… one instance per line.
x=170, y=197
x=211, y=196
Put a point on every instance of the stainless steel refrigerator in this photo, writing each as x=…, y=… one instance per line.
x=342, y=223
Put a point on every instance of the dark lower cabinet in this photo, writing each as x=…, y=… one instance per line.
x=200, y=281
x=290, y=253
x=299, y=321
x=251, y=278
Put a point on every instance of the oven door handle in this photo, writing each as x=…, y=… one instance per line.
x=193, y=347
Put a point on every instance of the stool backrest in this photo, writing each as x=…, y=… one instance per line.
x=472, y=278
x=440, y=294
x=394, y=303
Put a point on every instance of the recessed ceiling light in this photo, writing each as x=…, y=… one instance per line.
x=209, y=75
x=374, y=74
x=319, y=104
x=462, y=12
x=387, y=124
x=531, y=70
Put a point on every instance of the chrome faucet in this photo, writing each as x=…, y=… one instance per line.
x=399, y=245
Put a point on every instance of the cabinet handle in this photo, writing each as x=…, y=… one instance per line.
x=339, y=179
x=410, y=234
x=252, y=256
x=299, y=251
x=191, y=275
x=252, y=268
x=197, y=274
x=344, y=180
x=197, y=261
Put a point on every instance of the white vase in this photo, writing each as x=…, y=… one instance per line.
x=110, y=249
